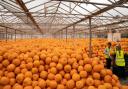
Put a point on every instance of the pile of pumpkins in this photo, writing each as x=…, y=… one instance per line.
x=53, y=64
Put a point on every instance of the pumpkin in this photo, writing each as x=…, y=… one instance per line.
x=12, y=81
x=36, y=57
x=52, y=64
x=115, y=77
x=43, y=56
x=70, y=84
x=98, y=68
x=35, y=77
x=7, y=87
x=81, y=62
x=101, y=87
x=53, y=70
x=53, y=84
x=17, y=86
x=29, y=65
x=79, y=84
x=108, y=79
x=5, y=63
x=90, y=87
x=59, y=66
x=27, y=81
x=36, y=63
x=28, y=87
x=108, y=85
x=75, y=65
x=67, y=76
x=11, y=67
x=20, y=78
x=4, y=80
x=96, y=75
x=62, y=72
x=89, y=81
x=83, y=74
x=80, y=68
x=97, y=83
x=115, y=87
x=37, y=87
x=34, y=70
x=16, y=62
x=88, y=68
x=34, y=83
x=71, y=61
x=109, y=72
x=24, y=70
x=103, y=72
x=73, y=71
x=43, y=74
x=28, y=74
x=51, y=76
x=17, y=70
x=42, y=83
x=55, y=59
x=41, y=68
x=67, y=68
x=76, y=77
x=48, y=60
x=63, y=61
x=58, y=77
x=11, y=75
x=60, y=86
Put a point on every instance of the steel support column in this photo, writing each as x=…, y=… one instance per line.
x=74, y=31
x=6, y=35
x=15, y=35
x=66, y=33
x=90, y=38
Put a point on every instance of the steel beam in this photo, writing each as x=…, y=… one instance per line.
x=94, y=3
x=22, y=5
x=97, y=13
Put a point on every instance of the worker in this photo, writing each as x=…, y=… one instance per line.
x=119, y=62
x=107, y=55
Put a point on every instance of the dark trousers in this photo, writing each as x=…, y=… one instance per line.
x=108, y=63
x=119, y=71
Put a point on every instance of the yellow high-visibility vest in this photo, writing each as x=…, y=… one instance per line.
x=120, y=61
x=108, y=51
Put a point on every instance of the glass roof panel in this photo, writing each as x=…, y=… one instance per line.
x=35, y=3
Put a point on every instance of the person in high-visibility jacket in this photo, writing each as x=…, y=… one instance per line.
x=119, y=62
x=107, y=55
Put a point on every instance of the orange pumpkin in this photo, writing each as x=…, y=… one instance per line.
x=76, y=77
x=96, y=75
x=79, y=84
x=27, y=81
x=70, y=84
x=4, y=80
x=7, y=87
x=89, y=81
x=43, y=74
x=42, y=83
x=67, y=68
x=58, y=77
x=88, y=68
x=60, y=86
x=59, y=66
x=53, y=84
x=108, y=79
